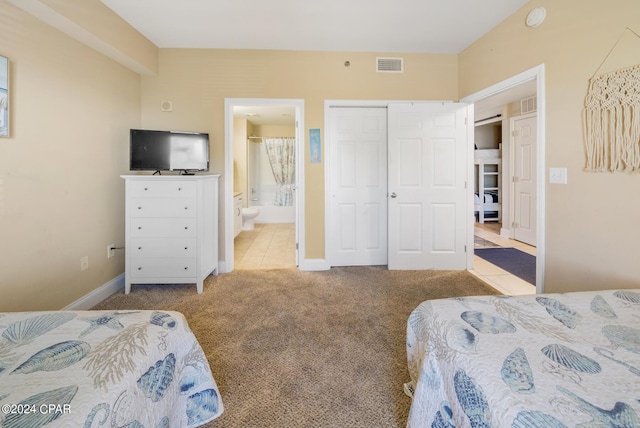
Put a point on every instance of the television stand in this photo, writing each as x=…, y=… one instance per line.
x=185, y=172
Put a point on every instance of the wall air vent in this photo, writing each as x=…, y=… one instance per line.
x=389, y=65
x=528, y=105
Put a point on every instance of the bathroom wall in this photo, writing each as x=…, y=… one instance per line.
x=242, y=128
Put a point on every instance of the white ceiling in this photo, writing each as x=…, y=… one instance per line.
x=388, y=26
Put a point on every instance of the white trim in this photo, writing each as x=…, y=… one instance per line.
x=314, y=265
x=229, y=104
x=470, y=179
x=96, y=296
x=536, y=73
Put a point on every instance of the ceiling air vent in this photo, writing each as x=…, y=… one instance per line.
x=528, y=105
x=389, y=65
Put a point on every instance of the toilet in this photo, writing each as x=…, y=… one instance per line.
x=248, y=216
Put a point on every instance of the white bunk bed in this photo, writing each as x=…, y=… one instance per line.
x=487, y=196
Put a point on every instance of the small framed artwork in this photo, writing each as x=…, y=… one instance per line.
x=314, y=145
x=4, y=96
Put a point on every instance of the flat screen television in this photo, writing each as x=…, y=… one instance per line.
x=168, y=151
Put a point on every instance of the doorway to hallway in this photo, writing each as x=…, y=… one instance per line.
x=504, y=92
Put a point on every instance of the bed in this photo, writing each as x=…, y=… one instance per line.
x=548, y=360
x=103, y=368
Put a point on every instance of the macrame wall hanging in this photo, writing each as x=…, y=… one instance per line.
x=611, y=120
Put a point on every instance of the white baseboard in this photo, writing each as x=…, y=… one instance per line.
x=311, y=265
x=98, y=295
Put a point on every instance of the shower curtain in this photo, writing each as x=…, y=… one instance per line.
x=281, y=153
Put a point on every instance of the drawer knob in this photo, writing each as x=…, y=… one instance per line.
x=139, y=248
x=139, y=227
x=139, y=268
x=139, y=208
x=146, y=188
x=186, y=208
x=179, y=189
x=186, y=227
x=186, y=248
x=186, y=268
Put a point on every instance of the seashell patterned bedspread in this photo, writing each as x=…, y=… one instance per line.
x=103, y=368
x=550, y=360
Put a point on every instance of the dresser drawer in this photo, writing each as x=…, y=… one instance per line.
x=153, y=188
x=162, y=227
x=163, y=267
x=162, y=247
x=162, y=207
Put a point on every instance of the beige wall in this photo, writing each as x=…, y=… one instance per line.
x=274, y=130
x=592, y=231
x=241, y=129
x=198, y=81
x=61, y=197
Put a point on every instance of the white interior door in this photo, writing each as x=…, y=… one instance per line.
x=524, y=180
x=358, y=186
x=427, y=170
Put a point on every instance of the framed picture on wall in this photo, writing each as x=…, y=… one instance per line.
x=314, y=145
x=4, y=96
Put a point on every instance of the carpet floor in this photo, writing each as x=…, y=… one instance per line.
x=306, y=349
x=514, y=261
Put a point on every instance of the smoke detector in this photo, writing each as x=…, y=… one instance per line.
x=536, y=16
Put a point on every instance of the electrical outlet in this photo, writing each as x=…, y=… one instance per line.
x=84, y=263
x=111, y=250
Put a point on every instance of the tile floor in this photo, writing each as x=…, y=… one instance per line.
x=268, y=246
x=498, y=278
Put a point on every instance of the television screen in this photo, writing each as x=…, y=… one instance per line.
x=168, y=151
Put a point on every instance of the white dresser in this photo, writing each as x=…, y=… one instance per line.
x=171, y=229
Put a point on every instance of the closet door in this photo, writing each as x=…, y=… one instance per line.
x=358, y=186
x=428, y=214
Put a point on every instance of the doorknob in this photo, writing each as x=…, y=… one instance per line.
x=393, y=195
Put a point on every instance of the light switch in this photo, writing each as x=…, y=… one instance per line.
x=558, y=175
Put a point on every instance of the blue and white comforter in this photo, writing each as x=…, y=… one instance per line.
x=103, y=368
x=551, y=360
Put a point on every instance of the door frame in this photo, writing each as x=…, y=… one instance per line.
x=229, y=104
x=536, y=73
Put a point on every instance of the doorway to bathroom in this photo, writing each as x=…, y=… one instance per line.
x=263, y=151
